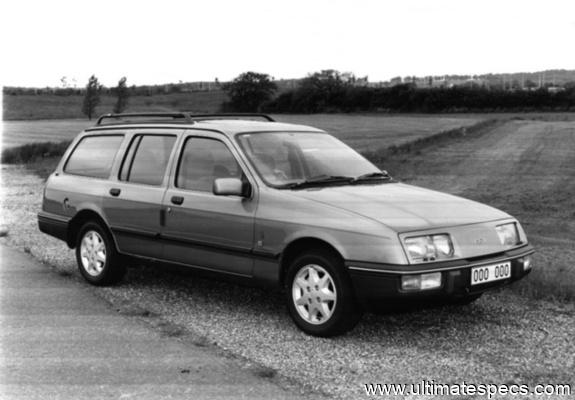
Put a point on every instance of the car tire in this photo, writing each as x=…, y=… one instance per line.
x=319, y=295
x=96, y=255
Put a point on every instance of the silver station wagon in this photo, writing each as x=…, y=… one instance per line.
x=279, y=205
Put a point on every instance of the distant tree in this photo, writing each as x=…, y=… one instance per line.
x=91, y=97
x=249, y=91
x=122, y=96
x=321, y=91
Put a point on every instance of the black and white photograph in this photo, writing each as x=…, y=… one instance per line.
x=323, y=199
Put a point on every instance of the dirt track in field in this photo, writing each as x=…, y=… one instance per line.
x=540, y=153
x=526, y=168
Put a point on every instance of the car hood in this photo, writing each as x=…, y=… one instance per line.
x=403, y=207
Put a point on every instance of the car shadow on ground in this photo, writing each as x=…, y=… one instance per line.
x=193, y=289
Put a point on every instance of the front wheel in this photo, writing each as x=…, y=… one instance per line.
x=319, y=295
x=96, y=255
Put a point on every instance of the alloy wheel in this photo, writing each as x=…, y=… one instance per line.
x=93, y=253
x=314, y=294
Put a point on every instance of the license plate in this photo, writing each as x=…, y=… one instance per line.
x=490, y=273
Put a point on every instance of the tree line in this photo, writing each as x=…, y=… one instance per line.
x=327, y=92
x=408, y=98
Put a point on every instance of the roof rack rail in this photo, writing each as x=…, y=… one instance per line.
x=230, y=115
x=183, y=116
x=173, y=115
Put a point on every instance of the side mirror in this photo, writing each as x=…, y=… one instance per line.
x=231, y=187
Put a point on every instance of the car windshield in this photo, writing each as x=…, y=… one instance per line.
x=284, y=159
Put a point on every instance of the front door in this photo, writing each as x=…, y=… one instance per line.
x=202, y=229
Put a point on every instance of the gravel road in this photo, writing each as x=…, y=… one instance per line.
x=502, y=338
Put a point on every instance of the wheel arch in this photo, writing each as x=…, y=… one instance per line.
x=299, y=246
x=79, y=220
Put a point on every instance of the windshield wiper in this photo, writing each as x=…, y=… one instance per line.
x=372, y=176
x=317, y=180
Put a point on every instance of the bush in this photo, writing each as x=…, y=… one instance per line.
x=248, y=92
x=30, y=152
x=318, y=94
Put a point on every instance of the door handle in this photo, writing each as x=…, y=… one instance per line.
x=177, y=200
x=115, y=192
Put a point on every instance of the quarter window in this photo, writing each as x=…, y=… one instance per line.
x=204, y=160
x=147, y=159
x=94, y=156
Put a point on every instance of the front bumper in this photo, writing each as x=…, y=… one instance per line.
x=379, y=283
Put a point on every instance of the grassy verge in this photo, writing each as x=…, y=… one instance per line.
x=392, y=153
x=549, y=279
x=43, y=167
x=31, y=152
x=39, y=158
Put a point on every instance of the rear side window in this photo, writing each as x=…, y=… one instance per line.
x=147, y=159
x=204, y=160
x=93, y=156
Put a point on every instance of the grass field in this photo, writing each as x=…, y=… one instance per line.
x=362, y=132
x=379, y=131
x=18, y=133
x=30, y=107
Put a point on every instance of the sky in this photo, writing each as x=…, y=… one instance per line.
x=154, y=42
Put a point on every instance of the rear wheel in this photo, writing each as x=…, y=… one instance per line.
x=319, y=295
x=96, y=255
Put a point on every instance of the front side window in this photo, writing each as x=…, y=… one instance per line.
x=203, y=161
x=94, y=156
x=282, y=158
x=147, y=159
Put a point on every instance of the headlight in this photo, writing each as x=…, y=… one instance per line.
x=508, y=235
x=419, y=247
x=429, y=248
x=443, y=245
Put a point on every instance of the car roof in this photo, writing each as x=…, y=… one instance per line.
x=228, y=124
x=233, y=127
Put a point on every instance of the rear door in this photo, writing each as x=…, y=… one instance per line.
x=202, y=229
x=134, y=202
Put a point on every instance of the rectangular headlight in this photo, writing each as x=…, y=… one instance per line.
x=420, y=248
x=508, y=235
x=429, y=248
